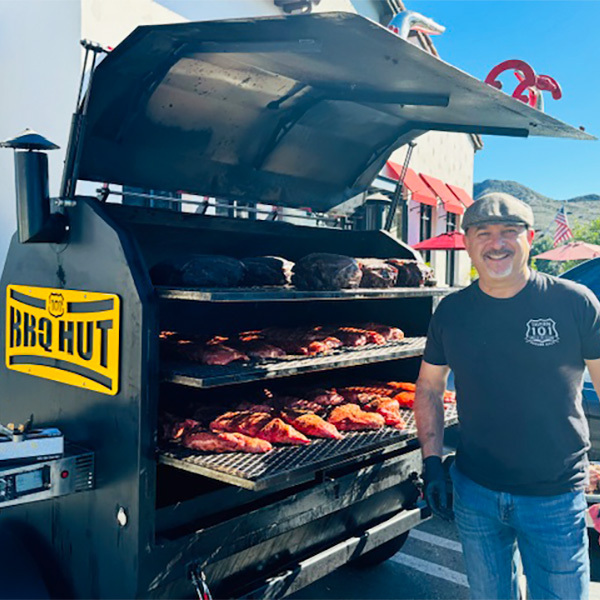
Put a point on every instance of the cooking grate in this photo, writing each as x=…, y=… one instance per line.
x=289, y=464
x=205, y=376
x=288, y=293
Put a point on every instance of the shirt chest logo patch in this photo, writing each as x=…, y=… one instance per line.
x=541, y=332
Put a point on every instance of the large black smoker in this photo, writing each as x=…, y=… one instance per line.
x=290, y=112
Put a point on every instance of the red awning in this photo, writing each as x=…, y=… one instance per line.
x=461, y=194
x=451, y=204
x=454, y=240
x=420, y=192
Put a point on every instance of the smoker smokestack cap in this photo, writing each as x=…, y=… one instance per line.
x=29, y=140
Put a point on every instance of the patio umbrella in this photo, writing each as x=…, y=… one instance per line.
x=445, y=241
x=571, y=251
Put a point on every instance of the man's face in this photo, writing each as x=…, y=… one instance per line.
x=499, y=251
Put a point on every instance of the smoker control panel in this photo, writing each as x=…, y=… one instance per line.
x=74, y=472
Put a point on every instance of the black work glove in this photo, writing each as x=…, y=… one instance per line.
x=436, y=488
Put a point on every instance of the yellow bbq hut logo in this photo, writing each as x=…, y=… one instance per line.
x=64, y=335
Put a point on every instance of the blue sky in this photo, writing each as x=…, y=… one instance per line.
x=557, y=38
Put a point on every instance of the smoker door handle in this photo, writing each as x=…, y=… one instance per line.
x=326, y=561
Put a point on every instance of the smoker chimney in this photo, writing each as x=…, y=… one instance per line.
x=35, y=222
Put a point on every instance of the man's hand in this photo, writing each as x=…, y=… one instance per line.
x=436, y=489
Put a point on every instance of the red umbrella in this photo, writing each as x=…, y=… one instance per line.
x=571, y=251
x=445, y=241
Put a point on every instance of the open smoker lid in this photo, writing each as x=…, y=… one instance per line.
x=300, y=111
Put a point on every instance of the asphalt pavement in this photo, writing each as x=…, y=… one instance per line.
x=429, y=566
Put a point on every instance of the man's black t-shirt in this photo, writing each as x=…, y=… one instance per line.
x=518, y=366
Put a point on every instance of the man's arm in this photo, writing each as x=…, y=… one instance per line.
x=429, y=407
x=594, y=370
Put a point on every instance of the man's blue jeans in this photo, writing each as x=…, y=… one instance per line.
x=549, y=532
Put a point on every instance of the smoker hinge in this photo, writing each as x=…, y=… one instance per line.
x=199, y=580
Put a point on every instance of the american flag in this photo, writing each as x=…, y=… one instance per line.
x=563, y=232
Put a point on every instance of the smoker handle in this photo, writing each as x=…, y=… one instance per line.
x=325, y=562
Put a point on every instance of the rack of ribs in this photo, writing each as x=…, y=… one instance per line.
x=387, y=331
x=260, y=425
x=350, y=417
x=389, y=409
x=208, y=441
x=311, y=424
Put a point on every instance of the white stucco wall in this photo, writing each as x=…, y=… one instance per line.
x=449, y=157
x=207, y=10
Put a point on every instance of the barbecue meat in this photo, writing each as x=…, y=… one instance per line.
x=206, y=270
x=325, y=397
x=402, y=385
x=364, y=394
x=405, y=399
x=376, y=273
x=412, y=273
x=388, y=332
x=208, y=441
x=256, y=348
x=350, y=417
x=311, y=424
x=267, y=270
x=321, y=271
x=300, y=404
x=219, y=354
x=172, y=428
x=307, y=342
x=354, y=336
x=241, y=421
x=389, y=409
x=277, y=431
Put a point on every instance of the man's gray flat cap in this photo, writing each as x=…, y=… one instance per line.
x=497, y=207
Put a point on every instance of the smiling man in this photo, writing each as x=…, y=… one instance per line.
x=518, y=342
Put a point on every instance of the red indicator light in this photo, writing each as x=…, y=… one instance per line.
x=64, y=474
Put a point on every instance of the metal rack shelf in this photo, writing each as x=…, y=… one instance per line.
x=207, y=376
x=290, y=294
x=292, y=464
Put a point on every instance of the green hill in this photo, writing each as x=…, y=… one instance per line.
x=580, y=208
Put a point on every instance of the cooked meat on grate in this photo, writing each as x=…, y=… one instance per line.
x=389, y=409
x=247, y=405
x=300, y=404
x=449, y=397
x=206, y=270
x=311, y=424
x=260, y=349
x=241, y=421
x=267, y=270
x=405, y=399
x=407, y=386
x=219, y=354
x=321, y=271
x=376, y=273
x=389, y=333
x=172, y=428
x=350, y=417
x=329, y=397
x=278, y=431
x=348, y=334
x=207, y=441
x=301, y=341
x=412, y=273
x=364, y=394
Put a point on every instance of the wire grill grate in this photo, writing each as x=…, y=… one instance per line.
x=204, y=376
x=260, y=471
